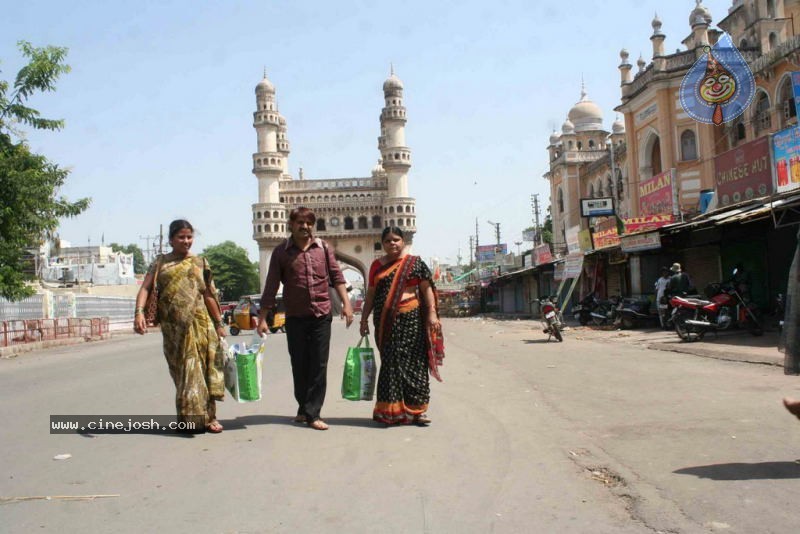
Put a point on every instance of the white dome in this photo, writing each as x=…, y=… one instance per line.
x=568, y=128
x=586, y=115
x=265, y=86
x=554, y=138
x=618, y=127
x=378, y=168
x=392, y=83
x=700, y=11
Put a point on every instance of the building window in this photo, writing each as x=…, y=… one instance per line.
x=377, y=246
x=376, y=221
x=348, y=223
x=786, y=102
x=321, y=225
x=688, y=145
x=560, y=201
x=761, y=117
x=773, y=41
x=609, y=187
x=655, y=157
x=362, y=223
x=591, y=190
x=591, y=143
x=580, y=145
x=620, y=185
x=771, y=9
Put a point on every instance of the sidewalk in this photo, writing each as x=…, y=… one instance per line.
x=736, y=345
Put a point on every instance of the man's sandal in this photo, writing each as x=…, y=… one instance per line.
x=318, y=424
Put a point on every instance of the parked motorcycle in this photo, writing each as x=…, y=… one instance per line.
x=582, y=311
x=605, y=311
x=724, y=310
x=633, y=312
x=551, y=318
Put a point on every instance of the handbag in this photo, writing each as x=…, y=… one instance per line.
x=151, y=304
x=358, y=382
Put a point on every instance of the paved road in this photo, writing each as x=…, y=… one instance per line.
x=528, y=436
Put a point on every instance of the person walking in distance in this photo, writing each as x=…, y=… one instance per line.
x=305, y=266
x=679, y=283
x=661, y=286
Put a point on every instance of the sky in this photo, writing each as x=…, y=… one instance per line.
x=158, y=105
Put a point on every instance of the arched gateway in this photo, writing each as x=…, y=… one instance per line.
x=351, y=212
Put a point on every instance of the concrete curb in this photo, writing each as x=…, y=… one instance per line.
x=733, y=356
x=15, y=350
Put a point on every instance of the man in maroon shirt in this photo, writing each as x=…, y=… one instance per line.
x=305, y=266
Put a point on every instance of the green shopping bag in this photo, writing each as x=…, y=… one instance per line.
x=243, y=370
x=358, y=382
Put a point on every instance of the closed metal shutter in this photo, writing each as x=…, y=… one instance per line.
x=702, y=264
x=614, y=279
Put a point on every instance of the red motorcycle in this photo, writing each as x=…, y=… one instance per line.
x=724, y=310
x=551, y=318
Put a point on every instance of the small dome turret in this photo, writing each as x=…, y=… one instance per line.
x=554, y=138
x=392, y=83
x=700, y=14
x=568, y=128
x=657, y=25
x=378, y=169
x=265, y=86
x=618, y=127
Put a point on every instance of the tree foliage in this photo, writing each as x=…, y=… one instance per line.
x=234, y=274
x=139, y=266
x=30, y=206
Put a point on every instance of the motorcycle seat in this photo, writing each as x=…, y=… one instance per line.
x=697, y=302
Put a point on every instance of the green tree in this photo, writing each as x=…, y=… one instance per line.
x=139, y=266
x=234, y=274
x=547, y=230
x=30, y=206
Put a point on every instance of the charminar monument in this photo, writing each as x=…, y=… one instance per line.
x=351, y=212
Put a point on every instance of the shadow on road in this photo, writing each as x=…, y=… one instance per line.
x=542, y=340
x=743, y=471
x=241, y=423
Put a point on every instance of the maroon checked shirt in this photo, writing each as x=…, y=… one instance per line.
x=304, y=275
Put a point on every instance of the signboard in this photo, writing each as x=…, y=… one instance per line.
x=585, y=240
x=786, y=151
x=597, y=207
x=542, y=255
x=655, y=194
x=529, y=235
x=558, y=271
x=487, y=253
x=644, y=224
x=605, y=234
x=573, y=265
x=744, y=172
x=796, y=88
x=573, y=244
x=640, y=242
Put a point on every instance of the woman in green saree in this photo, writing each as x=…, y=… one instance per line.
x=191, y=324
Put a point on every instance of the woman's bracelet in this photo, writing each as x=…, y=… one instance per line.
x=138, y=311
x=218, y=323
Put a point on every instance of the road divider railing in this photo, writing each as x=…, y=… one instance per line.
x=23, y=331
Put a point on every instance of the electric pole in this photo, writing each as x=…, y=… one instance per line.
x=537, y=239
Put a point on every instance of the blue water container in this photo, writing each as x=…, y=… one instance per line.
x=706, y=196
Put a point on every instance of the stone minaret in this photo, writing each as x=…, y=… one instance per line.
x=396, y=158
x=270, y=165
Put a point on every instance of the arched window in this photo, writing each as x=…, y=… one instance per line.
x=786, y=102
x=771, y=9
x=688, y=145
x=274, y=214
x=376, y=221
x=591, y=143
x=591, y=190
x=362, y=223
x=391, y=209
x=609, y=186
x=655, y=157
x=321, y=225
x=348, y=223
x=743, y=44
x=773, y=41
x=620, y=185
x=391, y=223
x=560, y=201
x=570, y=145
x=580, y=145
x=761, y=116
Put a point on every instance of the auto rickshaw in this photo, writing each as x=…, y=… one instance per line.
x=245, y=315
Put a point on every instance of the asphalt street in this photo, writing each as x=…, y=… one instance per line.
x=527, y=436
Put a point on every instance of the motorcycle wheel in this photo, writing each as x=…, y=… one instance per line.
x=556, y=332
x=600, y=321
x=583, y=319
x=234, y=331
x=628, y=322
x=687, y=332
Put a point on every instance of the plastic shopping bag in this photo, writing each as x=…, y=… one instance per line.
x=243, y=369
x=358, y=382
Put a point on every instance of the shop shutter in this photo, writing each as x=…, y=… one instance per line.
x=614, y=279
x=702, y=265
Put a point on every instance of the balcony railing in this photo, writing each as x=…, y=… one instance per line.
x=338, y=183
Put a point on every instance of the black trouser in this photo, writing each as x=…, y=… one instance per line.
x=309, y=340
